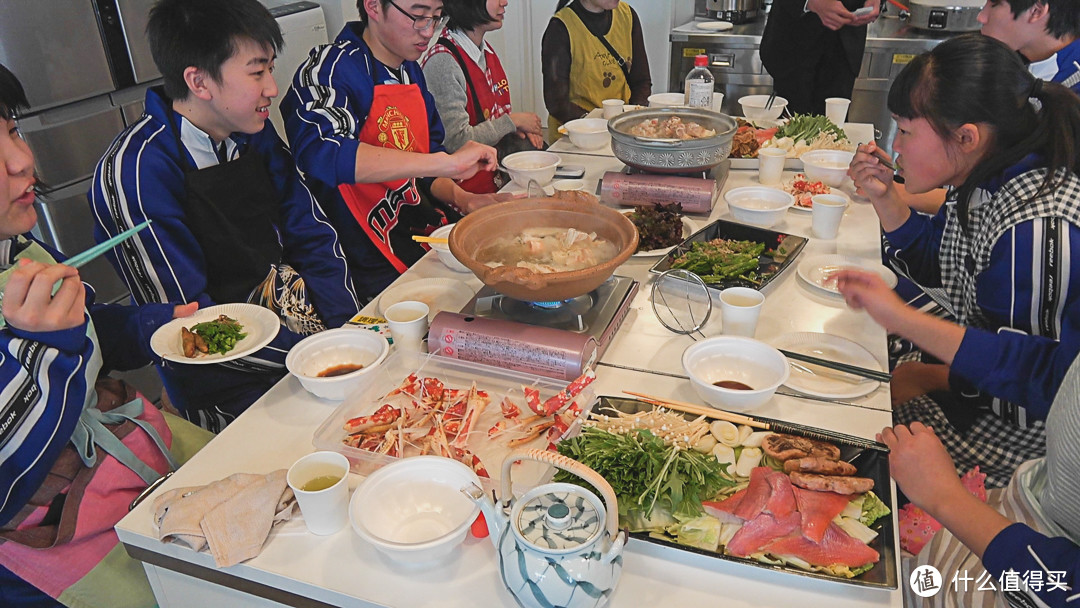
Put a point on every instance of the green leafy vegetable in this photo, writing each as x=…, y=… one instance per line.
x=873, y=509
x=806, y=127
x=220, y=335
x=701, y=532
x=658, y=225
x=644, y=472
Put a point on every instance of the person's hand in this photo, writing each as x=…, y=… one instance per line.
x=920, y=465
x=30, y=305
x=469, y=202
x=832, y=13
x=536, y=140
x=859, y=21
x=867, y=291
x=526, y=122
x=913, y=379
x=469, y=159
x=185, y=310
x=872, y=178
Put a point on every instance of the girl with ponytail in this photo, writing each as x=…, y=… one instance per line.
x=998, y=255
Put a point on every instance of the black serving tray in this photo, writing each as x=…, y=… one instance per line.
x=770, y=265
x=870, y=463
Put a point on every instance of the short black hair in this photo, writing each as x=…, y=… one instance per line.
x=1064, y=18
x=363, y=13
x=466, y=15
x=12, y=94
x=204, y=34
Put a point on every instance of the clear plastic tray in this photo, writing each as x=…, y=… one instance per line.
x=454, y=374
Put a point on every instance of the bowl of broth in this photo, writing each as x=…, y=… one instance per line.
x=544, y=249
x=733, y=372
x=333, y=363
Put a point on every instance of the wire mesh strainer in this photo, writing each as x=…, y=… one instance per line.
x=681, y=302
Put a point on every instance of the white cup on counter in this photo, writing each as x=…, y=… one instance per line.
x=739, y=310
x=836, y=109
x=320, y=482
x=827, y=211
x=408, y=323
x=717, y=102
x=771, y=165
x=613, y=107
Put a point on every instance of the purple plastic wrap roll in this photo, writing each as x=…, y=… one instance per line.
x=696, y=194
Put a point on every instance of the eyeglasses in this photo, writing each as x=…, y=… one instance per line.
x=418, y=23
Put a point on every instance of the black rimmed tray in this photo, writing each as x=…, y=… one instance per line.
x=871, y=463
x=770, y=263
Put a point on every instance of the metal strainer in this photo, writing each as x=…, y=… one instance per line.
x=681, y=302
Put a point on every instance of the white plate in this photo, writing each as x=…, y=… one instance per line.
x=714, y=26
x=438, y=294
x=799, y=209
x=260, y=324
x=688, y=228
x=827, y=382
x=819, y=270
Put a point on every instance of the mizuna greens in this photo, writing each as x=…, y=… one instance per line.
x=806, y=127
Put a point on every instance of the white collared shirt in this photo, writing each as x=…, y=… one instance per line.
x=474, y=52
x=202, y=147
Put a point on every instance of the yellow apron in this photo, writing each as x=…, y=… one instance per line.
x=594, y=74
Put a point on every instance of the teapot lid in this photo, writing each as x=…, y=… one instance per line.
x=558, y=518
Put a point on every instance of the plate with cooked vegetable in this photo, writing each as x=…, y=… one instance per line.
x=216, y=334
x=728, y=254
x=660, y=227
x=806, y=502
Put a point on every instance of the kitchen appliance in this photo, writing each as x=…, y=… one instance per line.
x=559, y=544
x=734, y=11
x=945, y=15
x=598, y=313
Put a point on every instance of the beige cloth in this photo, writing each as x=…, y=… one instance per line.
x=232, y=516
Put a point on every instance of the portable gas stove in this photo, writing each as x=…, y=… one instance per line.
x=598, y=313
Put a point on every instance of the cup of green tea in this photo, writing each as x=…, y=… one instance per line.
x=320, y=482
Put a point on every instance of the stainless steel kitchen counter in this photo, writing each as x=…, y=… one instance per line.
x=887, y=32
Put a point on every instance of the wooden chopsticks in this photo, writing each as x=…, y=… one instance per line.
x=854, y=370
x=700, y=410
x=430, y=239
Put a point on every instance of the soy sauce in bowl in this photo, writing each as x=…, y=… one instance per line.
x=734, y=385
x=341, y=370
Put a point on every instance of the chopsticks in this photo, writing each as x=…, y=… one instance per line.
x=430, y=239
x=843, y=367
x=772, y=98
x=80, y=259
x=772, y=425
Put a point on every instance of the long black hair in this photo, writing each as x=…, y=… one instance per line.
x=978, y=80
x=12, y=94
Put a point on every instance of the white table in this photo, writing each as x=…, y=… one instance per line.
x=296, y=568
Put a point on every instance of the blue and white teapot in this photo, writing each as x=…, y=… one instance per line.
x=560, y=546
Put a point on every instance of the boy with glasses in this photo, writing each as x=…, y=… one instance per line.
x=365, y=132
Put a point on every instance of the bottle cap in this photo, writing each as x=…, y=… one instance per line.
x=701, y=61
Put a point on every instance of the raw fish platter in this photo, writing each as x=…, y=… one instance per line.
x=807, y=502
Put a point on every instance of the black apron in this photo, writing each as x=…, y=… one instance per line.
x=232, y=209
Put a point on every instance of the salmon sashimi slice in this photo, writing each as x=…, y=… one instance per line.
x=724, y=510
x=757, y=494
x=782, y=501
x=762, y=531
x=836, y=547
x=818, y=509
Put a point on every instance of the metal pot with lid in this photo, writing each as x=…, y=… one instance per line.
x=945, y=15
x=662, y=155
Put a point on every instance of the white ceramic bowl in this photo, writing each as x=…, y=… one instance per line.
x=758, y=205
x=753, y=106
x=443, y=250
x=827, y=166
x=588, y=133
x=532, y=165
x=667, y=100
x=332, y=348
x=568, y=185
x=744, y=360
x=413, y=510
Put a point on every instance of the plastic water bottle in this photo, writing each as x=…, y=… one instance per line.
x=699, y=84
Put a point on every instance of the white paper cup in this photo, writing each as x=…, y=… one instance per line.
x=613, y=107
x=567, y=185
x=717, y=102
x=739, y=310
x=408, y=323
x=836, y=109
x=771, y=165
x=325, y=510
x=828, y=210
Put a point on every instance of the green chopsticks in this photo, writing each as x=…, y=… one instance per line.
x=78, y=260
